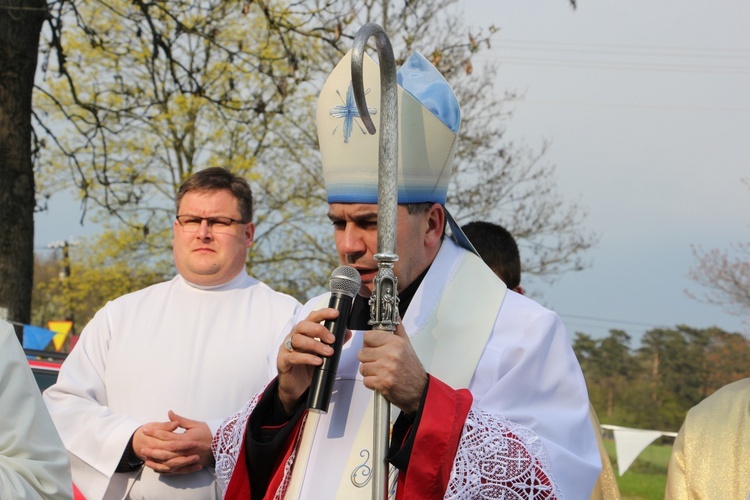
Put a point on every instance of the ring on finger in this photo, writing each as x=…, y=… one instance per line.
x=288, y=343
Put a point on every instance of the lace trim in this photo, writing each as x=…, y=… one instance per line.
x=227, y=442
x=497, y=458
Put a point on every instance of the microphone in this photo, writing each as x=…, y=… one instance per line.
x=345, y=283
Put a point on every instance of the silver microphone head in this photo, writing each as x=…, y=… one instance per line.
x=346, y=281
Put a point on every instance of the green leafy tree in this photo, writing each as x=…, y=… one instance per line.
x=684, y=365
x=144, y=94
x=655, y=386
x=607, y=366
x=615, y=366
x=585, y=348
x=661, y=356
x=726, y=357
x=89, y=275
x=46, y=306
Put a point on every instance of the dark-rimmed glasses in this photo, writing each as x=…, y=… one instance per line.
x=191, y=223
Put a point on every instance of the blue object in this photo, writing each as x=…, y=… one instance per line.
x=37, y=338
x=425, y=83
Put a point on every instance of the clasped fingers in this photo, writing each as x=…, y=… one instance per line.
x=169, y=463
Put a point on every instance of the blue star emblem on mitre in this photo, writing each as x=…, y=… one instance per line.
x=348, y=111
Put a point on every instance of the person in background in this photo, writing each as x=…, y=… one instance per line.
x=156, y=371
x=33, y=463
x=711, y=454
x=488, y=397
x=499, y=250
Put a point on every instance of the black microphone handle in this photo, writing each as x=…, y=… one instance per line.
x=325, y=374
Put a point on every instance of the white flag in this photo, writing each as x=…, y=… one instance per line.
x=629, y=443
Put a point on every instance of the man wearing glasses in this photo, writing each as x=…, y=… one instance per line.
x=156, y=371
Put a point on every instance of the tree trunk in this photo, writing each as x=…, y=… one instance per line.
x=20, y=25
x=655, y=380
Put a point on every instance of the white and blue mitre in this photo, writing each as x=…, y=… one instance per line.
x=428, y=121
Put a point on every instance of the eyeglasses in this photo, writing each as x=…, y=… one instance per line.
x=223, y=225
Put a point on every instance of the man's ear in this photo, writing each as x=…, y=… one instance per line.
x=435, y=225
x=250, y=234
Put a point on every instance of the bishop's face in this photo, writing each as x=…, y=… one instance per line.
x=355, y=233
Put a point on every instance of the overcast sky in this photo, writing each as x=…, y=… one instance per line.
x=647, y=105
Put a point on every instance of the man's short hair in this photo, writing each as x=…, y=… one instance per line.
x=220, y=179
x=418, y=208
x=497, y=248
x=422, y=208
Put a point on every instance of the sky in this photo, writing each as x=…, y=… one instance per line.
x=647, y=108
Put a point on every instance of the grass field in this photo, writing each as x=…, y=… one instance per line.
x=646, y=477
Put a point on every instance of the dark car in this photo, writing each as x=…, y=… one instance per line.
x=45, y=365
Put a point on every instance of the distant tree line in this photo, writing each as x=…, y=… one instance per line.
x=653, y=386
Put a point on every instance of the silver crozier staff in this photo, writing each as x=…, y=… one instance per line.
x=384, y=299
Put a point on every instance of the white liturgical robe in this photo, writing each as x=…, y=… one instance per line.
x=33, y=464
x=529, y=402
x=198, y=351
